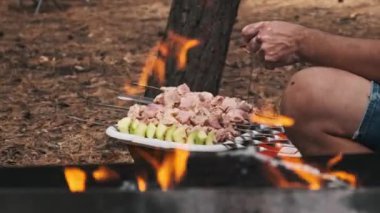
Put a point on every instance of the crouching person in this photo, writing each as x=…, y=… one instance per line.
x=336, y=104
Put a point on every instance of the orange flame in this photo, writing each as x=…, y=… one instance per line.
x=76, y=179
x=333, y=161
x=141, y=183
x=103, y=174
x=349, y=178
x=175, y=46
x=183, y=47
x=145, y=73
x=313, y=181
x=171, y=169
x=180, y=164
x=164, y=174
x=272, y=119
x=276, y=177
x=345, y=176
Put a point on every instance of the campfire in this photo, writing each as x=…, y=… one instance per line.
x=196, y=138
x=223, y=181
x=174, y=165
x=189, y=120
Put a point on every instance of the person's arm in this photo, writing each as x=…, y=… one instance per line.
x=359, y=56
x=282, y=43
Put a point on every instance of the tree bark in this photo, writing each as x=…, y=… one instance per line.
x=211, y=22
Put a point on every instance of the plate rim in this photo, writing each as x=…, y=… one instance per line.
x=130, y=139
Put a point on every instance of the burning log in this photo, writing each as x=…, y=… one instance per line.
x=211, y=22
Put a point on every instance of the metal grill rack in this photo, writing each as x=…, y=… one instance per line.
x=264, y=139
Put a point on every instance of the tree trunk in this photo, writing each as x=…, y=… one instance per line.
x=211, y=22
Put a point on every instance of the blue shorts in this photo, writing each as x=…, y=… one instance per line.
x=368, y=133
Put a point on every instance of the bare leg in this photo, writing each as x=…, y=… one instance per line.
x=328, y=106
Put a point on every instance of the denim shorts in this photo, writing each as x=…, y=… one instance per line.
x=368, y=133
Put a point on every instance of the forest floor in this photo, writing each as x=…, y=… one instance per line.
x=58, y=68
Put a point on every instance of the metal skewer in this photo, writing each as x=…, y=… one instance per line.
x=137, y=99
x=147, y=86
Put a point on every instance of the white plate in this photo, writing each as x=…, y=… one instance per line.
x=167, y=145
x=159, y=144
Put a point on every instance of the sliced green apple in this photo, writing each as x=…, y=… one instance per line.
x=201, y=137
x=133, y=127
x=151, y=130
x=160, y=132
x=141, y=129
x=123, y=124
x=211, y=138
x=191, y=138
x=169, y=133
x=179, y=135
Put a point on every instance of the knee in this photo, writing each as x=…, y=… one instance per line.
x=304, y=90
x=300, y=101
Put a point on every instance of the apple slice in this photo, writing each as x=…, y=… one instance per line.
x=211, y=138
x=123, y=124
x=191, y=138
x=134, y=126
x=169, y=133
x=141, y=129
x=160, y=132
x=179, y=135
x=151, y=130
x=201, y=138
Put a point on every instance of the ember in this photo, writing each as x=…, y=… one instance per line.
x=76, y=179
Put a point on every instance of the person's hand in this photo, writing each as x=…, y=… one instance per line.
x=277, y=43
